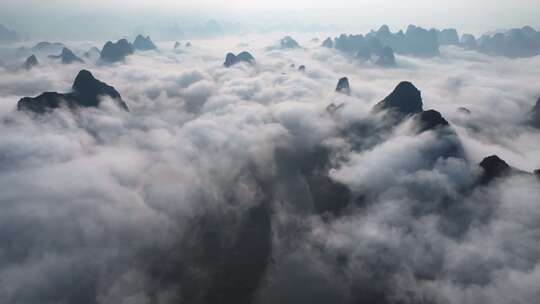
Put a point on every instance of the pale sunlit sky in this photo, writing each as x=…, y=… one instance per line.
x=474, y=16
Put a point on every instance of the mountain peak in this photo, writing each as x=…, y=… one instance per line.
x=343, y=86
x=87, y=92
x=68, y=56
x=89, y=89
x=83, y=79
x=144, y=43
x=288, y=42
x=113, y=52
x=405, y=99
x=431, y=120
x=232, y=59
x=493, y=167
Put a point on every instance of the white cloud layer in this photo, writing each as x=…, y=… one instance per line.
x=103, y=206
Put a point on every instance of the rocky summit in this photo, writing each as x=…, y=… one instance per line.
x=114, y=52
x=406, y=99
x=493, y=167
x=288, y=42
x=431, y=120
x=142, y=43
x=343, y=86
x=86, y=92
x=232, y=59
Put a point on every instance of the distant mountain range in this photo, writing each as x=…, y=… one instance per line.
x=420, y=42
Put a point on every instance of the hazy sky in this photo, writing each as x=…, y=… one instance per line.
x=38, y=16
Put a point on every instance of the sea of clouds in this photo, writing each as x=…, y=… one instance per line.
x=155, y=205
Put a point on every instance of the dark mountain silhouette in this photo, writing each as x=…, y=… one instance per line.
x=44, y=102
x=448, y=37
x=31, y=62
x=67, y=57
x=343, y=86
x=88, y=89
x=430, y=120
x=113, y=52
x=449, y=143
x=245, y=57
x=288, y=42
x=493, y=167
x=302, y=68
x=86, y=92
x=177, y=44
x=142, y=43
x=7, y=35
x=232, y=59
x=188, y=44
x=406, y=99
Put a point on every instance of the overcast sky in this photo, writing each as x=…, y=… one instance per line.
x=39, y=17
